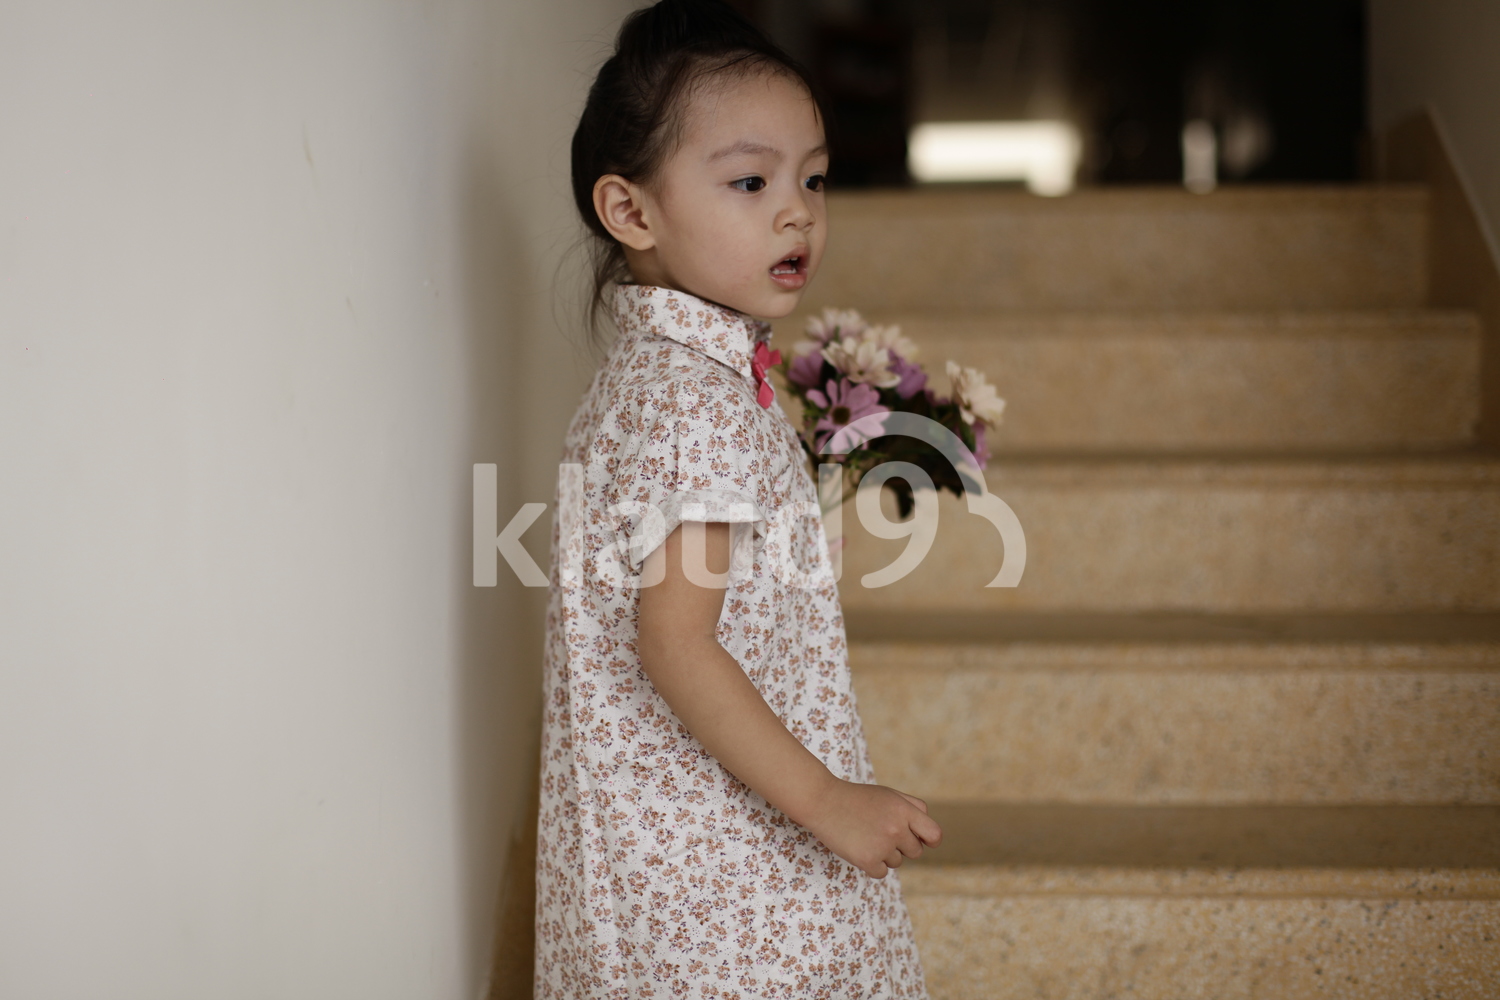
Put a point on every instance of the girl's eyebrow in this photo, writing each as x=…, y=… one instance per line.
x=750, y=147
x=745, y=146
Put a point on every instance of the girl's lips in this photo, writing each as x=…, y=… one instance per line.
x=790, y=272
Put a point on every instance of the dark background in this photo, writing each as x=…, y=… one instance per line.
x=1282, y=81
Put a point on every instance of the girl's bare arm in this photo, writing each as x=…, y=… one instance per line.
x=870, y=826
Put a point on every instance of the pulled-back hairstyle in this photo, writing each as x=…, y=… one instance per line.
x=634, y=114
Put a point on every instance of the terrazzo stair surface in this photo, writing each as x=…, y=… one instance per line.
x=1160, y=723
x=1367, y=380
x=1237, y=732
x=1069, y=902
x=1288, y=533
x=1147, y=249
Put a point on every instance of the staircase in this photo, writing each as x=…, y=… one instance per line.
x=1237, y=733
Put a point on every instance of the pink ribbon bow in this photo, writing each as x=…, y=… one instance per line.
x=762, y=359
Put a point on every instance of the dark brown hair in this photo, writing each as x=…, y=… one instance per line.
x=633, y=117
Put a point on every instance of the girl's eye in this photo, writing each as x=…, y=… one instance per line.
x=749, y=184
x=816, y=182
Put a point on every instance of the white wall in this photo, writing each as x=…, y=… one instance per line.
x=272, y=276
x=1446, y=54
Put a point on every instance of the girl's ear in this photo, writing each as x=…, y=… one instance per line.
x=620, y=205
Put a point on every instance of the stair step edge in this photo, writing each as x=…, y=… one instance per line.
x=1000, y=634
x=1446, y=885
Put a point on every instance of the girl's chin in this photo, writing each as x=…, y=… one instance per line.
x=767, y=301
x=777, y=305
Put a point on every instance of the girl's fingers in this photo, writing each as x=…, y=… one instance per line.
x=913, y=800
x=927, y=830
x=878, y=871
x=910, y=846
x=894, y=859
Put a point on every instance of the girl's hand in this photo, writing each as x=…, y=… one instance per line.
x=873, y=827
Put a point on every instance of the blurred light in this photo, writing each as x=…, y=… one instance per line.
x=1044, y=154
x=1200, y=157
x=1246, y=145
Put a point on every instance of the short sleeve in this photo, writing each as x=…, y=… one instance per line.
x=685, y=463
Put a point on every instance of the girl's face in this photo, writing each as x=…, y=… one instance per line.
x=736, y=214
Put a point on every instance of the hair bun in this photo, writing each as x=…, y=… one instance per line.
x=684, y=25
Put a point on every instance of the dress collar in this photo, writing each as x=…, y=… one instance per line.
x=721, y=333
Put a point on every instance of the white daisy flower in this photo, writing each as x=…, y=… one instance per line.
x=974, y=395
x=835, y=324
x=890, y=338
x=862, y=361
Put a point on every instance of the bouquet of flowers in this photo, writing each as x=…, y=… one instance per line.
x=846, y=369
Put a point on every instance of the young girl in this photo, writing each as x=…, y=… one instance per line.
x=708, y=823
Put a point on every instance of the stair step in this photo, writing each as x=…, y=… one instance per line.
x=1148, y=248
x=1306, y=533
x=1069, y=902
x=1153, y=722
x=1130, y=842
x=1234, y=735
x=1327, y=380
x=867, y=628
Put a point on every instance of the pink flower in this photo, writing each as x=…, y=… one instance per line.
x=843, y=403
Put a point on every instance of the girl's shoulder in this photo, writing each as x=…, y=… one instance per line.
x=683, y=417
x=662, y=378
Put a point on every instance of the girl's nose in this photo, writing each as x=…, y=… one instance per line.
x=795, y=214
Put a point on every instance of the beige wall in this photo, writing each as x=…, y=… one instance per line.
x=272, y=277
x=1446, y=54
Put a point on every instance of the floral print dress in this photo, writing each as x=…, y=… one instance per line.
x=659, y=874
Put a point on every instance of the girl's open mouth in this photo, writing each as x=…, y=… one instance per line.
x=790, y=272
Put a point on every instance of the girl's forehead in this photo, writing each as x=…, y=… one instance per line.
x=764, y=108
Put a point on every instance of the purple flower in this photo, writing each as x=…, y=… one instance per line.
x=843, y=403
x=981, y=451
x=805, y=369
x=913, y=378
